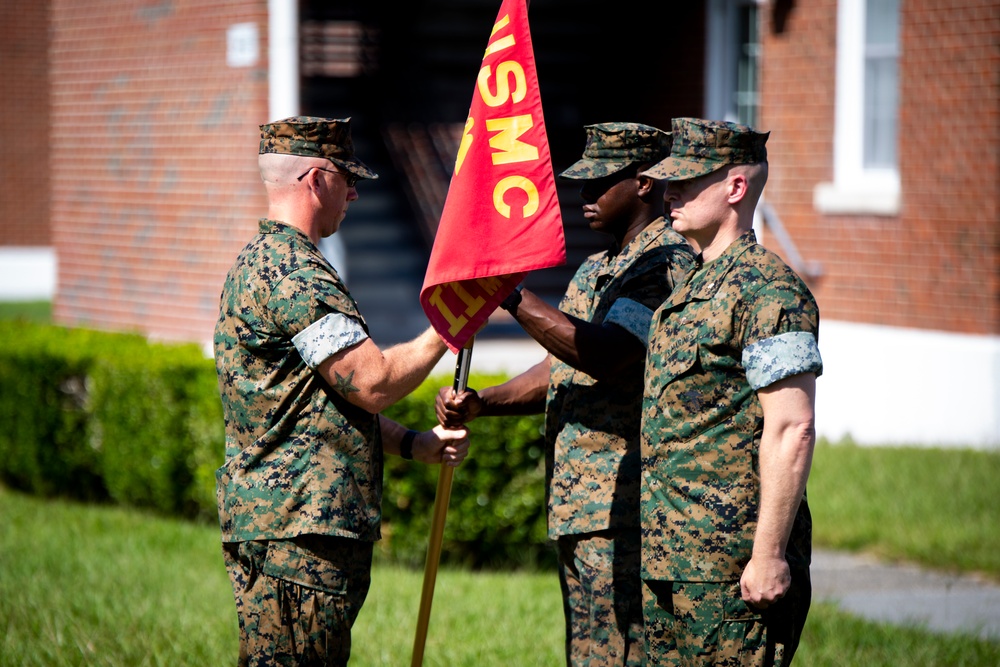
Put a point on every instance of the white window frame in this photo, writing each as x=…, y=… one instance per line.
x=855, y=189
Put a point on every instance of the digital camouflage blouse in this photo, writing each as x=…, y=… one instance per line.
x=592, y=427
x=739, y=323
x=299, y=458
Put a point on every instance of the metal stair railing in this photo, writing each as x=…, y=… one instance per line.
x=766, y=215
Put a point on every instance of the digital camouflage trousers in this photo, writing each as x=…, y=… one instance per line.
x=602, y=598
x=696, y=624
x=297, y=599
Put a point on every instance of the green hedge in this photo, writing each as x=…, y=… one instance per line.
x=105, y=416
x=112, y=417
x=44, y=447
x=157, y=420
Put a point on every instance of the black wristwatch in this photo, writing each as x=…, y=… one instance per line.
x=511, y=302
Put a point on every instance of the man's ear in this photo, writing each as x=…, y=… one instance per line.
x=738, y=186
x=647, y=186
x=313, y=181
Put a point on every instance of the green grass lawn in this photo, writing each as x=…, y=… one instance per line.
x=88, y=585
x=33, y=311
x=935, y=507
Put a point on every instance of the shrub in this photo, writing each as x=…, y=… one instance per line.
x=108, y=416
x=97, y=415
x=157, y=420
x=45, y=377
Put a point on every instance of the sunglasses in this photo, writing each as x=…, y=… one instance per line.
x=352, y=179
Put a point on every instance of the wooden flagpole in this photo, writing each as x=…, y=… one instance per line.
x=437, y=523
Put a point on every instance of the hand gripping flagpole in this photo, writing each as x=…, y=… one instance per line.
x=437, y=523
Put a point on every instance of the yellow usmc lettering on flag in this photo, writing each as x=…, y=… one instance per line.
x=501, y=217
x=502, y=86
x=508, y=130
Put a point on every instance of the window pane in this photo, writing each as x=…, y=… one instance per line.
x=880, y=113
x=882, y=22
x=747, y=97
x=881, y=83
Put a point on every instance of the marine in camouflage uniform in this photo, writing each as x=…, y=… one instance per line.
x=592, y=388
x=300, y=491
x=726, y=567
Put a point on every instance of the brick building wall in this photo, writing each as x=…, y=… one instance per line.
x=935, y=265
x=154, y=184
x=24, y=124
x=153, y=160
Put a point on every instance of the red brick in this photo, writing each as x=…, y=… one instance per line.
x=936, y=264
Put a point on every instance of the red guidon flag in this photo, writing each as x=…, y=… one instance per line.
x=501, y=218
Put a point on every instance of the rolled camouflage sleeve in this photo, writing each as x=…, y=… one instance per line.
x=782, y=356
x=328, y=336
x=312, y=308
x=631, y=316
x=780, y=334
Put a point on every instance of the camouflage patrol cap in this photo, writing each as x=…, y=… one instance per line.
x=613, y=146
x=310, y=136
x=703, y=146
